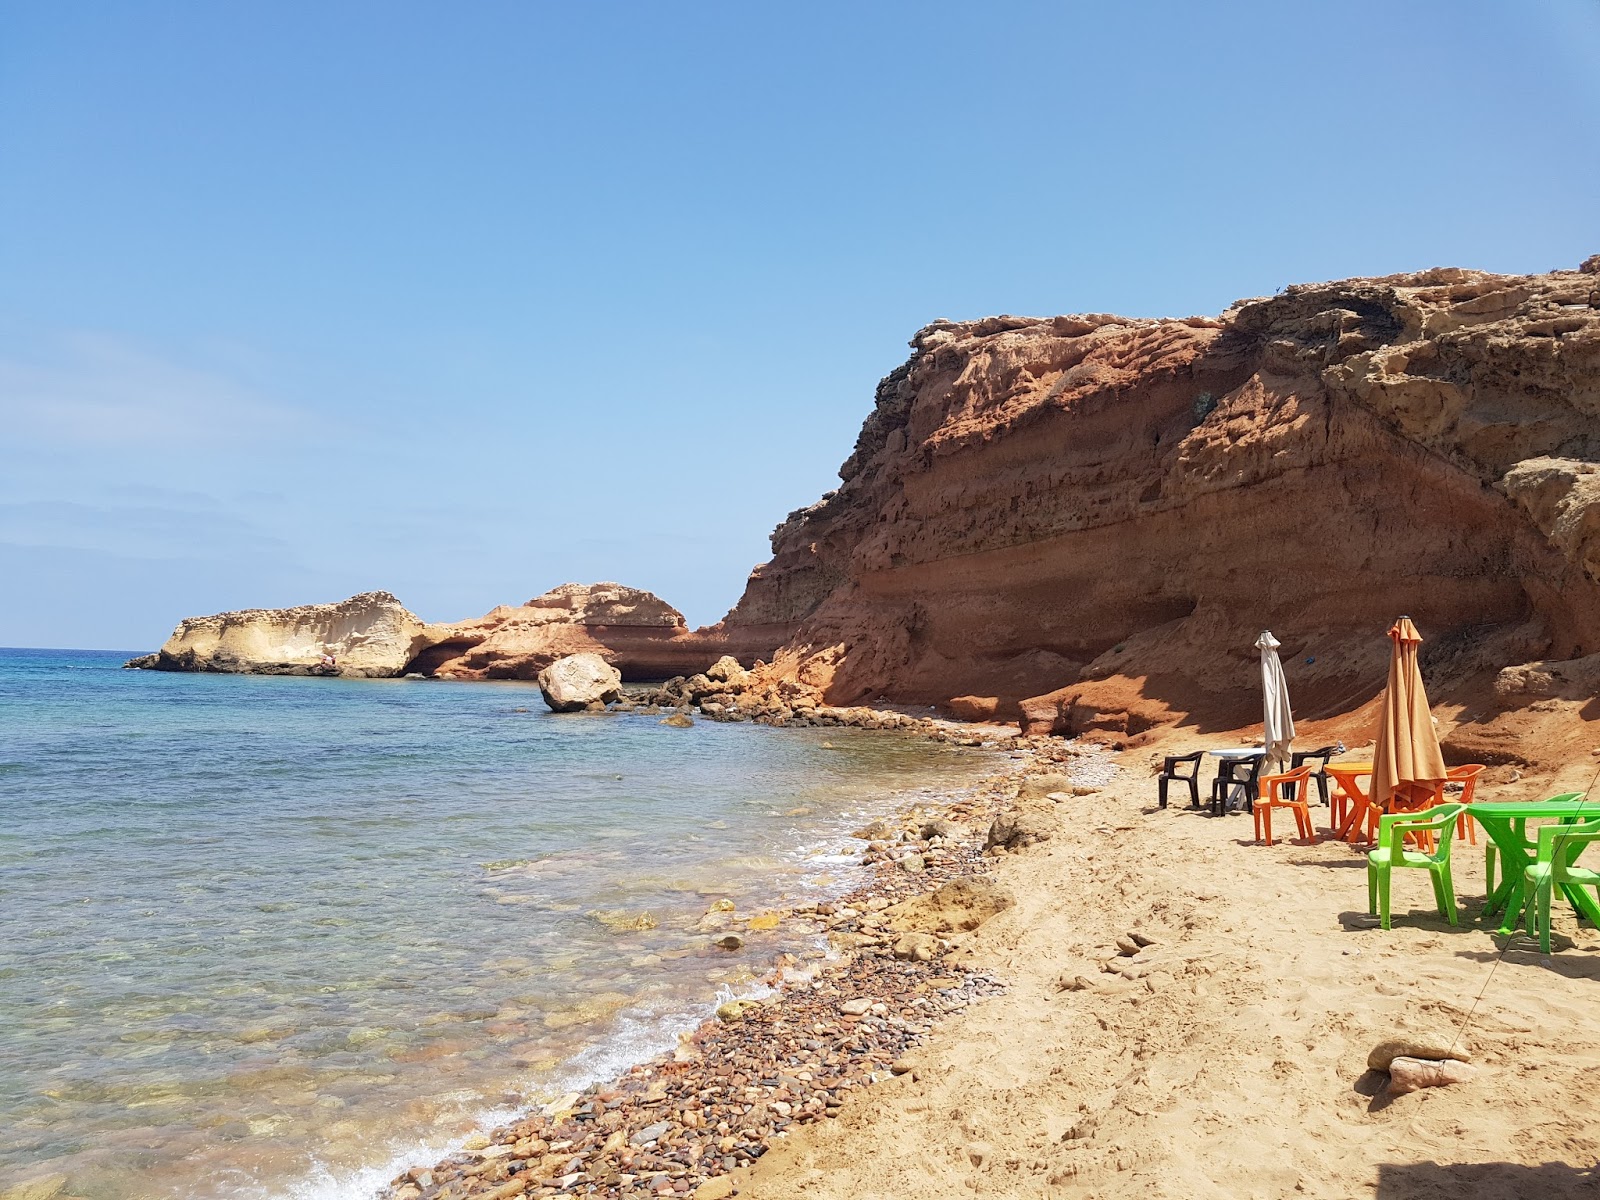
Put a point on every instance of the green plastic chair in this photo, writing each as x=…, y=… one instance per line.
x=1520, y=828
x=1391, y=852
x=1559, y=847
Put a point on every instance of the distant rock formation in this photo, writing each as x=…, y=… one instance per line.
x=637, y=632
x=374, y=635
x=1104, y=512
x=371, y=635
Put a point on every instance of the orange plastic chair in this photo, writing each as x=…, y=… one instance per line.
x=1467, y=777
x=1412, y=798
x=1268, y=798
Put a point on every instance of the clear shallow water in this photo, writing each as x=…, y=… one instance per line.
x=263, y=937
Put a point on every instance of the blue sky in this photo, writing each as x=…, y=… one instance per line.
x=299, y=300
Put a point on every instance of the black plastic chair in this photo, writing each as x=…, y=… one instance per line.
x=1236, y=772
x=1299, y=757
x=1170, y=771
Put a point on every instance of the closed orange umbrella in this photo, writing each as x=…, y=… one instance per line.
x=1407, y=765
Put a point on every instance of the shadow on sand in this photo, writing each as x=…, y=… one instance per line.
x=1522, y=952
x=1485, y=1181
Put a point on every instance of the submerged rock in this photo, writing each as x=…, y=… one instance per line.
x=45, y=1187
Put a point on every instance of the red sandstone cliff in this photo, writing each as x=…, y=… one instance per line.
x=1110, y=510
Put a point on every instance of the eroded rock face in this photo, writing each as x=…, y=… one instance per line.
x=1111, y=509
x=642, y=635
x=370, y=635
x=958, y=907
x=578, y=681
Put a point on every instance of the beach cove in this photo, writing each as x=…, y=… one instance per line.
x=266, y=937
x=1159, y=1007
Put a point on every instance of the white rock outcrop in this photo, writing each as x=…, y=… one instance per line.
x=370, y=635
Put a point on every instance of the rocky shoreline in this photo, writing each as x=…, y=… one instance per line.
x=690, y=1122
x=727, y=692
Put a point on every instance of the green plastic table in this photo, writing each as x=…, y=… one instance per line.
x=1510, y=893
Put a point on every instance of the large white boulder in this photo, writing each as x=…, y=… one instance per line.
x=579, y=680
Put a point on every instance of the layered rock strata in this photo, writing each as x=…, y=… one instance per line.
x=373, y=634
x=637, y=632
x=1104, y=512
x=370, y=635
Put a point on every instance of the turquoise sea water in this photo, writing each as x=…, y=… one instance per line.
x=266, y=937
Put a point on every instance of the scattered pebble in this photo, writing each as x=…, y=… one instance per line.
x=677, y=1125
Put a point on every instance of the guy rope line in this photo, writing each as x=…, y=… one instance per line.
x=1499, y=958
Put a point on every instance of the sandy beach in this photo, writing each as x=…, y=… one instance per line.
x=1227, y=1057
x=1235, y=1065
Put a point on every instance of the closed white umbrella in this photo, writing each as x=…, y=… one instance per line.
x=1277, y=719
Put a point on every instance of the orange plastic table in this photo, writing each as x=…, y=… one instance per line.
x=1346, y=774
x=1364, y=813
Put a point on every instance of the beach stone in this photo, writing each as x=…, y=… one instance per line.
x=1037, y=787
x=732, y=942
x=917, y=947
x=43, y=1188
x=912, y=864
x=1073, y=983
x=727, y=670
x=650, y=1133
x=855, y=1008
x=572, y=683
x=477, y=1141
x=1414, y=1074
x=734, y=1010
x=678, y=721
x=1411, y=1045
x=1013, y=831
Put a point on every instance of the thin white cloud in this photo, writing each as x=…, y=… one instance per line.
x=97, y=390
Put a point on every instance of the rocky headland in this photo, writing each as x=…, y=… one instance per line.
x=371, y=635
x=374, y=635
x=1080, y=523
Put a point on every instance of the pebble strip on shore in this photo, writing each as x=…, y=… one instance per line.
x=677, y=1125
